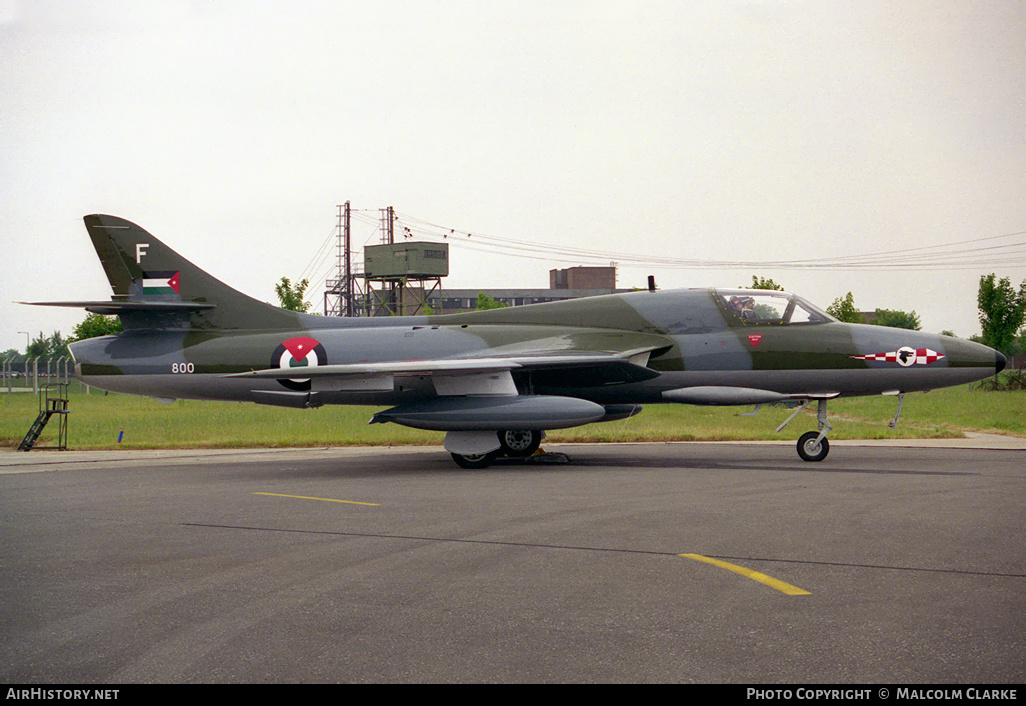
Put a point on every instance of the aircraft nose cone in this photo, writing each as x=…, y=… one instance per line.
x=999, y=362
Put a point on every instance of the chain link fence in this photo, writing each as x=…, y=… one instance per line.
x=24, y=374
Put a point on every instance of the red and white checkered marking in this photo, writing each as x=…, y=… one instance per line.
x=904, y=356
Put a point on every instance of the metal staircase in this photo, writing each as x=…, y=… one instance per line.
x=53, y=400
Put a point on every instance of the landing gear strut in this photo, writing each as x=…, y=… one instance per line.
x=813, y=446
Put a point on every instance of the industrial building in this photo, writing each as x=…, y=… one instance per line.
x=570, y=283
x=405, y=278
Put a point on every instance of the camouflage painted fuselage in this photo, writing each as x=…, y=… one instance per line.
x=694, y=341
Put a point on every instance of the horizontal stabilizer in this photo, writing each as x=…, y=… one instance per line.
x=110, y=308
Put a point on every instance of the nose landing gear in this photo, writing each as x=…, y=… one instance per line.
x=813, y=446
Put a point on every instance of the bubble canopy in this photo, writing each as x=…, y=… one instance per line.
x=764, y=307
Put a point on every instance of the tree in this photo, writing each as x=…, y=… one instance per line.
x=897, y=319
x=844, y=310
x=55, y=346
x=94, y=325
x=486, y=301
x=1002, y=311
x=291, y=297
x=764, y=283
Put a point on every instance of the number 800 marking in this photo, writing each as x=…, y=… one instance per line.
x=183, y=368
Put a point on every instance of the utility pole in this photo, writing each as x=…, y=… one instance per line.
x=350, y=307
x=342, y=288
x=391, y=289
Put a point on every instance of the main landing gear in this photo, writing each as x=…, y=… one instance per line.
x=475, y=460
x=813, y=446
x=512, y=444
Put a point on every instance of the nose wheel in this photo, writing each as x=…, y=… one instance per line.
x=812, y=448
x=813, y=445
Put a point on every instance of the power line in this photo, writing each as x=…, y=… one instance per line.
x=926, y=257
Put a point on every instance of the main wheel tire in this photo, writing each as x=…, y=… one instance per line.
x=810, y=450
x=475, y=460
x=519, y=444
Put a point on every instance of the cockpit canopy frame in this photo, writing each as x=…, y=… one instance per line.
x=765, y=307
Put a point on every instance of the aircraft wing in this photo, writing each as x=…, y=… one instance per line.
x=468, y=376
x=456, y=366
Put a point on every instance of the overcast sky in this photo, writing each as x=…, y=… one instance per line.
x=738, y=130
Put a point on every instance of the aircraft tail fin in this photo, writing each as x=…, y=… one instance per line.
x=155, y=287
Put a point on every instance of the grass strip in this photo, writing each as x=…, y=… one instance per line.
x=96, y=421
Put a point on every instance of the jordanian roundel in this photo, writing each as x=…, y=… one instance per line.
x=298, y=352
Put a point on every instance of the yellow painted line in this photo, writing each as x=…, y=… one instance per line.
x=327, y=500
x=753, y=575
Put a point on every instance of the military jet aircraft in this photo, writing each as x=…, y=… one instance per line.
x=495, y=380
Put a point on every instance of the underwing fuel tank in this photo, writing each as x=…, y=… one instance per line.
x=493, y=413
